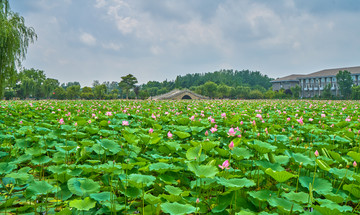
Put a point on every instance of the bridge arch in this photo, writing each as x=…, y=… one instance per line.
x=186, y=97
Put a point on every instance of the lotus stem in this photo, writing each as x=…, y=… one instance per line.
x=342, y=181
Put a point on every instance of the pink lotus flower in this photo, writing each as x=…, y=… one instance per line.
x=225, y=165
x=232, y=132
x=153, y=116
x=61, y=121
x=151, y=131
x=311, y=119
x=241, y=122
x=223, y=115
x=347, y=120
x=213, y=130
x=169, y=134
x=206, y=133
x=197, y=201
x=300, y=121
x=21, y=122
x=76, y=124
x=323, y=115
x=192, y=118
x=316, y=153
x=288, y=119
x=231, y=145
x=93, y=115
x=354, y=164
x=89, y=121
x=125, y=123
x=108, y=114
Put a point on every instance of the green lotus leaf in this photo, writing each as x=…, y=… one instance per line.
x=342, y=173
x=332, y=205
x=242, y=153
x=6, y=167
x=100, y=197
x=335, y=198
x=167, y=179
x=38, y=188
x=83, y=205
x=300, y=197
x=114, y=207
x=264, y=164
x=41, y=160
x=354, y=155
x=245, y=212
x=300, y=158
x=262, y=147
x=173, y=190
x=262, y=195
x=141, y=180
x=132, y=138
x=235, y=183
x=173, y=146
x=181, y=134
x=353, y=189
x=323, y=165
x=152, y=199
x=194, y=153
x=133, y=192
x=203, y=171
x=160, y=167
x=285, y=204
x=110, y=145
x=280, y=176
x=83, y=186
x=321, y=186
x=177, y=209
x=57, y=169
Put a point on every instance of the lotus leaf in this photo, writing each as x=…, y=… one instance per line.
x=83, y=205
x=141, y=180
x=38, y=188
x=83, y=186
x=285, y=204
x=321, y=186
x=194, y=153
x=280, y=176
x=203, y=171
x=353, y=189
x=177, y=209
x=300, y=197
x=235, y=183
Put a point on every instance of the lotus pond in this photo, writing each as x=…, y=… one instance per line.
x=179, y=157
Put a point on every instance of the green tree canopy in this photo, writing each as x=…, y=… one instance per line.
x=14, y=41
x=345, y=82
x=127, y=83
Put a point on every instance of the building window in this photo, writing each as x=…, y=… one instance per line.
x=333, y=79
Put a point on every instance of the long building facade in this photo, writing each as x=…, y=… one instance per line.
x=313, y=84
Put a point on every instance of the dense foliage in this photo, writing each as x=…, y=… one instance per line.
x=14, y=41
x=209, y=157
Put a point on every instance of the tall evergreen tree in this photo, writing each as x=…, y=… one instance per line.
x=345, y=82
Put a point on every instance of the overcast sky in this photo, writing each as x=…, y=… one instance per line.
x=86, y=40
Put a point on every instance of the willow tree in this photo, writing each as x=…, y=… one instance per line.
x=14, y=41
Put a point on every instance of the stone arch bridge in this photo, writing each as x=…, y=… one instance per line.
x=179, y=95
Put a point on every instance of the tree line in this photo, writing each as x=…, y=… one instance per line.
x=33, y=84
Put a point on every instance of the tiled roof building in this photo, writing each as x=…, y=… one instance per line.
x=313, y=84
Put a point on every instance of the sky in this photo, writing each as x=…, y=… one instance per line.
x=157, y=40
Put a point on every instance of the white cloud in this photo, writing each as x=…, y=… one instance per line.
x=112, y=46
x=88, y=39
